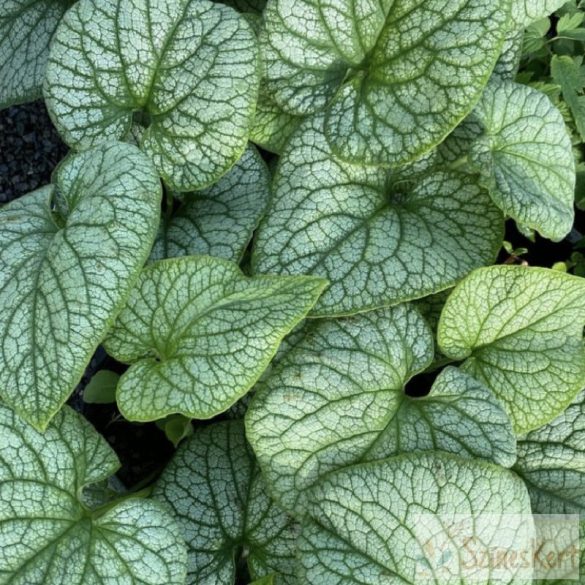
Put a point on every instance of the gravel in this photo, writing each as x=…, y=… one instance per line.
x=30, y=148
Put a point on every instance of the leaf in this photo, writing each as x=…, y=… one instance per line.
x=26, y=27
x=569, y=22
x=379, y=242
x=338, y=394
x=49, y=536
x=176, y=427
x=101, y=388
x=577, y=34
x=198, y=334
x=551, y=461
x=536, y=36
x=460, y=416
x=394, y=77
x=431, y=307
x=369, y=522
x=70, y=254
x=214, y=488
x=569, y=73
x=220, y=220
x=520, y=330
x=272, y=126
x=525, y=157
x=575, y=566
x=525, y=12
x=192, y=79
x=509, y=61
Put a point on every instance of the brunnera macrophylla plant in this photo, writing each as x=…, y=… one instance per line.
x=296, y=301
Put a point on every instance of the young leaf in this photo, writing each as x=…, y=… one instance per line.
x=569, y=22
x=190, y=68
x=220, y=220
x=339, y=392
x=460, y=416
x=394, y=77
x=48, y=534
x=101, y=388
x=569, y=73
x=551, y=461
x=198, y=334
x=521, y=332
x=176, y=427
x=26, y=27
x=70, y=254
x=535, y=37
x=215, y=489
x=378, y=241
x=525, y=157
x=368, y=522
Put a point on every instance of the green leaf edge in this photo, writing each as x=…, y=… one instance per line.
x=261, y=368
x=42, y=424
x=569, y=400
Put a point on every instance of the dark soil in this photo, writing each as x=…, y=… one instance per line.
x=30, y=148
x=143, y=449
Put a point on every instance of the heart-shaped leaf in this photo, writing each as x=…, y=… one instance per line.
x=48, y=535
x=520, y=330
x=379, y=240
x=551, y=460
x=214, y=487
x=199, y=334
x=26, y=27
x=220, y=220
x=395, y=76
x=417, y=518
x=337, y=397
x=525, y=157
x=189, y=67
x=70, y=253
